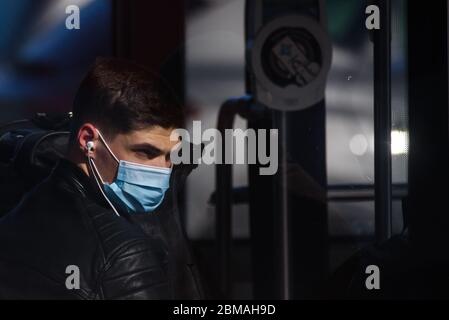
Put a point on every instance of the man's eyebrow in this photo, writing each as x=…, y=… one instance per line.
x=147, y=146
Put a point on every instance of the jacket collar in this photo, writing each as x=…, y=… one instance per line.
x=71, y=177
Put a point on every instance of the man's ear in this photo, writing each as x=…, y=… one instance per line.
x=87, y=139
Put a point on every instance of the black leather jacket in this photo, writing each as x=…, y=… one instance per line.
x=64, y=221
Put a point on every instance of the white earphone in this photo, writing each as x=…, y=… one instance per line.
x=90, y=145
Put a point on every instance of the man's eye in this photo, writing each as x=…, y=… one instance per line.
x=146, y=154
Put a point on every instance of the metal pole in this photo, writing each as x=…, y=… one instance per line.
x=223, y=206
x=284, y=230
x=382, y=122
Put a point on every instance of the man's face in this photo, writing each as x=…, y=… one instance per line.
x=151, y=146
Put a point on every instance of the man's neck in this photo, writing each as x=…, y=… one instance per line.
x=79, y=161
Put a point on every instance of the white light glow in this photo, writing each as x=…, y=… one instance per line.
x=358, y=145
x=399, y=142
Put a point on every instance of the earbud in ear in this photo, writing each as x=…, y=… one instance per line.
x=90, y=146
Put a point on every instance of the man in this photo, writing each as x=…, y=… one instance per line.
x=104, y=224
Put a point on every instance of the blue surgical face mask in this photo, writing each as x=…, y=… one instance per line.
x=137, y=188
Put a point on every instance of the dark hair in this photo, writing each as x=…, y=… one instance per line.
x=120, y=96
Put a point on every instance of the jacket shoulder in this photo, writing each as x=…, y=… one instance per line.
x=116, y=234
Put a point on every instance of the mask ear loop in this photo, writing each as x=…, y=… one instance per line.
x=107, y=146
x=96, y=173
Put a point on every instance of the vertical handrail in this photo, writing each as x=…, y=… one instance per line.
x=280, y=120
x=223, y=206
x=382, y=122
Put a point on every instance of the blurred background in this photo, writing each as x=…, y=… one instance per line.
x=215, y=71
x=42, y=62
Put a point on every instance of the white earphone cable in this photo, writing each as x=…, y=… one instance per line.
x=96, y=173
x=107, y=147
